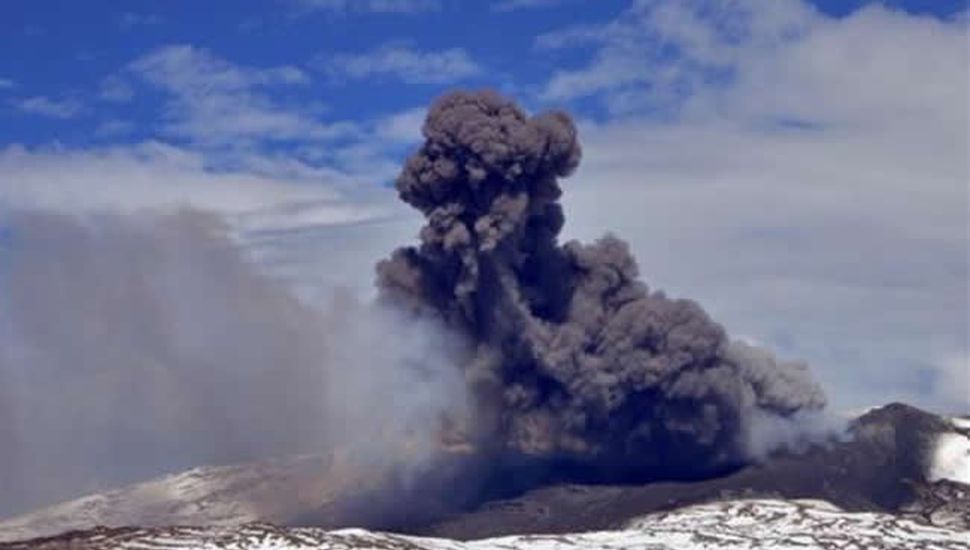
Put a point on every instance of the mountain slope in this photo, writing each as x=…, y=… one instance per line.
x=223, y=495
x=726, y=525
x=899, y=461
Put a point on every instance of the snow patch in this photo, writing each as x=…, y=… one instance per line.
x=961, y=423
x=951, y=458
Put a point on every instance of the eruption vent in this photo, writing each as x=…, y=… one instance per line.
x=575, y=360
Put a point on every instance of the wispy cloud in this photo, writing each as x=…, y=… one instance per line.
x=53, y=108
x=158, y=176
x=215, y=102
x=370, y=6
x=403, y=127
x=232, y=113
x=769, y=64
x=403, y=62
x=655, y=53
x=6, y=84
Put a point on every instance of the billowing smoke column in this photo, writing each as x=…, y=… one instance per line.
x=576, y=361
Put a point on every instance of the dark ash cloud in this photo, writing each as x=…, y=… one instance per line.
x=577, y=360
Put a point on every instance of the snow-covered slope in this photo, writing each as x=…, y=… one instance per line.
x=725, y=525
x=213, y=496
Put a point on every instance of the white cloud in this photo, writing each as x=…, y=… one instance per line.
x=214, y=102
x=403, y=62
x=371, y=6
x=53, y=108
x=403, y=127
x=657, y=52
x=803, y=177
x=227, y=121
x=6, y=84
x=855, y=72
x=157, y=176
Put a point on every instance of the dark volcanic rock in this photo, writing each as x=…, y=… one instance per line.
x=882, y=467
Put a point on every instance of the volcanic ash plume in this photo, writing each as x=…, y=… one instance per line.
x=576, y=361
x=132, y=346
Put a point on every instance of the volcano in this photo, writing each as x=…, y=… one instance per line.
x=899, y=470
x=573, y=404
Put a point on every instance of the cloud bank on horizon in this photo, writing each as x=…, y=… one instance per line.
x=797, y=167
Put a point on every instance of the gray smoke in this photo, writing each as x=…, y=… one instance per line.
x=136, y=346
x=577, y=360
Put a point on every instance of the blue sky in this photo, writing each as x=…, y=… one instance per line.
x=800, y=168
x=64, y=58
x=61, y=53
